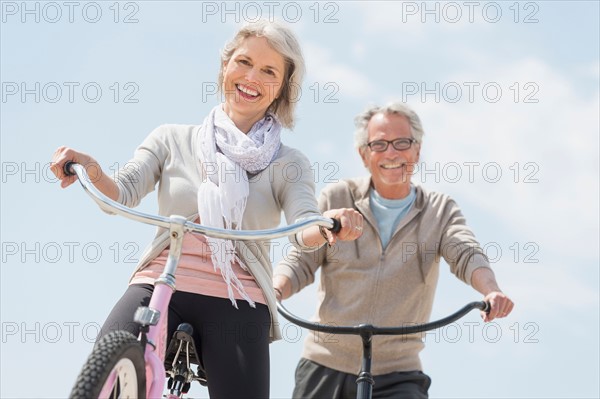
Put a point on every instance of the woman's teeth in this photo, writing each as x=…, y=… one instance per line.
x=247, y=90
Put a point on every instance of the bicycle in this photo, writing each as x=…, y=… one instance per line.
x=365, y=380
x=124, y=366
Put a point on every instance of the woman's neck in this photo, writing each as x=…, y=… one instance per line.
x=242, y=122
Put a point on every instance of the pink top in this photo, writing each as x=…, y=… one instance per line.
x=196, y=273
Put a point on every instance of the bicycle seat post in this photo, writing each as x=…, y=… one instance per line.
x=365, y=379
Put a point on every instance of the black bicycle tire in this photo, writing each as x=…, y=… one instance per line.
x=112, y=348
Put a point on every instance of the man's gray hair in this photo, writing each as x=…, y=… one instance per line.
x=361, y=135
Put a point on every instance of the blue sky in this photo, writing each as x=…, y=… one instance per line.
x=509, y=97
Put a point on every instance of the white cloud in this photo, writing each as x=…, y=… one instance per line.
x=413, y=20
x=591, y=70
x=324, y=69
x=552, y=144
x=535, y=287
x=359, y=50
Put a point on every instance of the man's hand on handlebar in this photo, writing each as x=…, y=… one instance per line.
x=500, y=306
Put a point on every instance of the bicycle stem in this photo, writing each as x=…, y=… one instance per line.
x=365, y=380
x=164, y=287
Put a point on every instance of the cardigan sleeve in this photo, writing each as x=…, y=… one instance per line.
x=295, y=188
x=459, y=247
x=300, y=266
x=139, y=176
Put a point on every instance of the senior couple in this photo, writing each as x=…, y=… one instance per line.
x=366, y=279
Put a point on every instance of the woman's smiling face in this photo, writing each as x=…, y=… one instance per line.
x=252, y=80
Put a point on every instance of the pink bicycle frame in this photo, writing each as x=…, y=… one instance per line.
x=154, y=317
x=154, y=352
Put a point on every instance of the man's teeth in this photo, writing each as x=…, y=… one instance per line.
x=392, y=165
x=247, y=90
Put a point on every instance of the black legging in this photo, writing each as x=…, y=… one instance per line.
x=233, y=343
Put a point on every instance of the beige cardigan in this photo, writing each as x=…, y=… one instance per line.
x=362, y=283
x=169, y=157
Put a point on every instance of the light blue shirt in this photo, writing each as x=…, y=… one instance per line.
x=389, y=212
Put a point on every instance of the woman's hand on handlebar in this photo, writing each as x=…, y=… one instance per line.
x=350, y=224
x=351, y=221
x=62, y=155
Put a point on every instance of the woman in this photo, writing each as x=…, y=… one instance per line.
x=228, y=172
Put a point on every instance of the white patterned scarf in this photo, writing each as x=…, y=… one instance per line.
x=227, y=154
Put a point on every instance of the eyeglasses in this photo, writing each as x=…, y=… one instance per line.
x=398, y=144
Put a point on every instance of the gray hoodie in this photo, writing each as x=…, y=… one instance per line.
x=363, y=283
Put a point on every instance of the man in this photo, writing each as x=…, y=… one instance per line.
x=388, y=276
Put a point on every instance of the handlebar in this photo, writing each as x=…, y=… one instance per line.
x=111, y=206
x=368, y=329
x=365, y=380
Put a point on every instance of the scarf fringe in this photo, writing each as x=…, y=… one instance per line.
x=227, y=272
x=221, y=201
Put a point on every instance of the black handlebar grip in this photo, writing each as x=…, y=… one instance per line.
x=337, y=226
x=67, y=168
x=487, y=307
